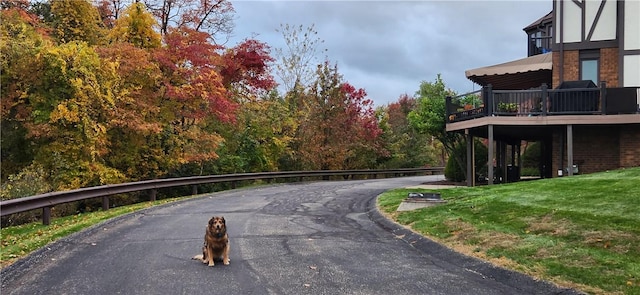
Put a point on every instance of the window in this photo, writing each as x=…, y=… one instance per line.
x=590, y=65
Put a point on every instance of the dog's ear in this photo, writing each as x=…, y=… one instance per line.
x=211, y=221
x=223, y=221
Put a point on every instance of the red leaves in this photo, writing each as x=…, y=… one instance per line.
x=360, y=111
x=247, y=64
x=190, y=65
x=340, y=130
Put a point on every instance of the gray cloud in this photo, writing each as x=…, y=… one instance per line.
x=389, y=47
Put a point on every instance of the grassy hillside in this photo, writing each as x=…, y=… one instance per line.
x=581, y=231
x=19, y=241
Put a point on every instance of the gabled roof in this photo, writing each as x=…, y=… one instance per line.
x=541, y=21
x=525, y=73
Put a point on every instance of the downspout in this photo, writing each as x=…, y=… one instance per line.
x=620, y=35
x=561, y=29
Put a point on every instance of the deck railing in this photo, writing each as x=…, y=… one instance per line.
x=538, y=102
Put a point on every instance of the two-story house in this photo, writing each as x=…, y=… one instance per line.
x=577, y=93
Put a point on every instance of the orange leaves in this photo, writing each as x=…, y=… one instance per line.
x=200, y=145
x=340, y=130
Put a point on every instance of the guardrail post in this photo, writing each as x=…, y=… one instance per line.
x=105, y=203
x=233, y=185
x=194, y=189
x=152, y=195
x=46, y=215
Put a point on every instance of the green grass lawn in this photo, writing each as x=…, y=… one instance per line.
x=18, y=241
x=581, y=232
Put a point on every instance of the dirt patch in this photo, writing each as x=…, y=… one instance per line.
x=548, y=224
x=459, y=229
x=617, y=241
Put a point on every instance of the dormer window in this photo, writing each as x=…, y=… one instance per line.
x=540, y=35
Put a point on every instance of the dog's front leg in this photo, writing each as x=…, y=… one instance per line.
x=209, y=257
x=225, y=255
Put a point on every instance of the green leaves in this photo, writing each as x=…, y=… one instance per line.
x=429, y=117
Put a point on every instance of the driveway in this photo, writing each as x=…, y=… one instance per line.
x=302, y=238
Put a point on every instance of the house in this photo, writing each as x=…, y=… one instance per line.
x=577, y=93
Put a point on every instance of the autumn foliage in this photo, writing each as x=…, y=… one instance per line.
x=101, y=92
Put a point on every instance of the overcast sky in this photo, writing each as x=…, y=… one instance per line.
x=389, y=47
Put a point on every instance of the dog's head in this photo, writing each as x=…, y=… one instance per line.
x=217, y=225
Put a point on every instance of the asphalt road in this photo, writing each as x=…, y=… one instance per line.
x=304, y=238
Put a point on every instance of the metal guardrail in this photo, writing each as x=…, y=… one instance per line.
x=48, y=200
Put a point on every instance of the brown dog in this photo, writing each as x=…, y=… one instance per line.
x=216, y=242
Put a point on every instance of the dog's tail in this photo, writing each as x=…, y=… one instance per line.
x=198, y=257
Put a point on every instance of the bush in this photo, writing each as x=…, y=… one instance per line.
x=531, y=160
x=30, y=181
x=530, y=171
x=452, y=170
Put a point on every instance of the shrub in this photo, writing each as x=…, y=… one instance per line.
x=30, y=181
x=531, y=159
x=454, y=172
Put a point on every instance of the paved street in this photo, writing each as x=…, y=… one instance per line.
x=301, y=238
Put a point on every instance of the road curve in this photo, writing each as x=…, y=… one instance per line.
x=303, y=238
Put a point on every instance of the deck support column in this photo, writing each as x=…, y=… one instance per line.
x=471, y=169
x=570, y=150
x=502, y=161
x=491, y=153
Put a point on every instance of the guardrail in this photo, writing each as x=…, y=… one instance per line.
x=48, y=200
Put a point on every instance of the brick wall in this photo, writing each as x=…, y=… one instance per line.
x=598, y=148
x=630, y=146
x=571, y=66
x=609, y=66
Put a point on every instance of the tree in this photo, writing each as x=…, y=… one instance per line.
x=340, y=129
x=295, y=63
x=71, y=106
x=193, y=96
x=134, y=129
x=407, y=147
x=109, y=11
x=214, y=17
x=245, y=69
x=76, y=20
x=136, y=26
x=20, y=46
x=429, y=115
